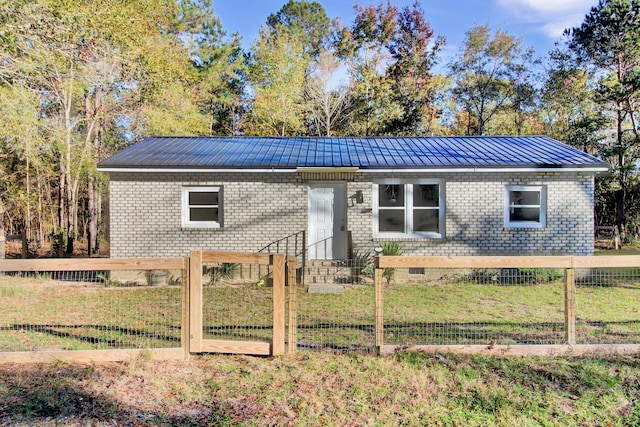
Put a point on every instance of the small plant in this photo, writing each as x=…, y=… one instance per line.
x=390, y=249
x=58, y=242
x=224, y=271
x=630, y=239
x=539, y=275
x=362, y=263
x=107, y=281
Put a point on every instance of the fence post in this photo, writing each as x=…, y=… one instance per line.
x=195, y=301
x=277, y=345
x=185, y=336
x=293, y=324
x=379, y=322
x=570, y=305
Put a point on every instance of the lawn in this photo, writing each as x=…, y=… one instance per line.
x=45, y=314
x=322, y=388
x=319, y=389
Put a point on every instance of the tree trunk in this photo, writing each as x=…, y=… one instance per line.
x=71, y=224
x=62, y=224
x=40, y=209
x=620, y=220
x=2, y=231
x=93, y=188
x=27, y=220
x=92, y=232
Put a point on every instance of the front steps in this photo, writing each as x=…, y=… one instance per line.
x=331, y=276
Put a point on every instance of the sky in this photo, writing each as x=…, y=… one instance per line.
x=539, y=23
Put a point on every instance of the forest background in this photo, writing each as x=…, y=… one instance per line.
x=82, y=79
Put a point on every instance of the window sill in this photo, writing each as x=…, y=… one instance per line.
x=185, y=228
x=406, y=238
x=524, y=228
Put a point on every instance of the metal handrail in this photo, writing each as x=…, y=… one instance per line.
x=296, y=242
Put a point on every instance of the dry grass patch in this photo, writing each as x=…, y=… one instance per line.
x=409, y=389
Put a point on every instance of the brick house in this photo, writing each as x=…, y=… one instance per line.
x=434, y=196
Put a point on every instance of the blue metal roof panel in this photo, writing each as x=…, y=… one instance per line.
x=364, y=153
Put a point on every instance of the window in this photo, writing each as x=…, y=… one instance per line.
x=202, y=207
x=526, y=207
x=403, y=209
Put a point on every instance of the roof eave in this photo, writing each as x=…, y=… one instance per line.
x=564, y=169
x=476, y=169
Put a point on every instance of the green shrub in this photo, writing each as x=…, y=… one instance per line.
x=224, y=271
x=539, y=275
x=390, y=249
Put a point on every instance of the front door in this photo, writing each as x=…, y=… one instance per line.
x=327, y=221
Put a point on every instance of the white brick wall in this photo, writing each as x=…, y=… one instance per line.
x=146, y=211
x=145, y=214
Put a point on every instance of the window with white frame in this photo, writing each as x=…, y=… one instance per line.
x=202, y=207
x=526, y=206
x=408, y=209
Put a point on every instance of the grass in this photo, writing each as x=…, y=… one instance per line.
x=321, y=389
x=407, y=389
x=52, y=315
x=469, y=313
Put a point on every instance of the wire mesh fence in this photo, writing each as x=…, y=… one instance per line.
x=142, y=308
x=473, y=306
x=237, y=302
x=336, y=322
x=608, y=306
x=335, y=307
x=87, y=310
x=470, y=306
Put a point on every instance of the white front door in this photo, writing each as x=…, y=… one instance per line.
x=327, y=221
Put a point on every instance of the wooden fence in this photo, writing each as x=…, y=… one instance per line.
x=197, y=344
x=285, y=304
x=568, y=263
x=109, y=265
x=191, y=320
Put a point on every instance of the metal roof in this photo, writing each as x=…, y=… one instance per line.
x=373, y=153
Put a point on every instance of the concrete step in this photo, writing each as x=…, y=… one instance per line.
x=330, y=272
x=326, y=288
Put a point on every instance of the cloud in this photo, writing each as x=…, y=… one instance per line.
x=551, y=16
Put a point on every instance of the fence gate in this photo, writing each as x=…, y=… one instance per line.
x=267, y=345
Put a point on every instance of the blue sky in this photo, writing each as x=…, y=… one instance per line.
x=538, y=22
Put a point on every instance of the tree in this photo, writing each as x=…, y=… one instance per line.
x=489, y=77
x=390, y=55
x=277, y=75
x=414, y=53
x=305, y=21
x=329, y=105
x=363, y=46
x=220, y=66
x=95, y=76
x=609, y=40
x=569, y=110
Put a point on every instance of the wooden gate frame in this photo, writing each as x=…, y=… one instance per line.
x=199, y=345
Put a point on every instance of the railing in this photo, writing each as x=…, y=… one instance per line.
x=292, y=245
x=321, y=249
